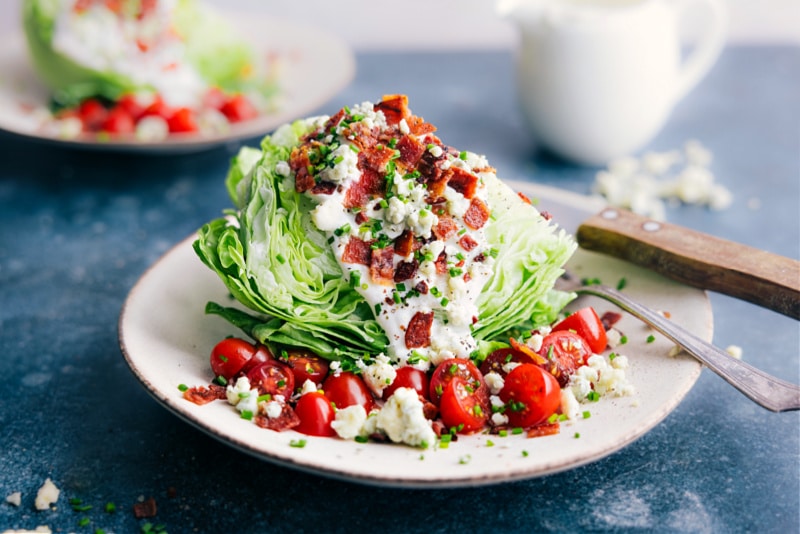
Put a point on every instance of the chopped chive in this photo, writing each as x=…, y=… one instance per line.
x=298, y=443
x=280, y=258
x=502, y=433
x=525, y=453
x=651, y=338
x=247, y=414
x=593, y=396
x=355, y=149
x=577, y=435
x=587, y=414
x=621, y=284
x=183, y=387
x=463, y=155
x=623, y=340
x=110, y=508
x=489, y=443
x=444, y=302
x=362, y=439
x=516, y=430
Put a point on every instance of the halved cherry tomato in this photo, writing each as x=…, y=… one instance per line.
x=261, y=355
x=132, y=105
x=564, y=351
x=462, y=407
x=409, y=377
x=588, y=325
x=316, y=414
x=272, y=377
x=92, y=114
x=119, y=121
x=182, y=121
x=451, y=368
x=238, y=108
x=214, y=98
x=158, y=108
x=306, y=366
x=230, y=355
x=531, y=395
x=346, y=389
x=496, y=361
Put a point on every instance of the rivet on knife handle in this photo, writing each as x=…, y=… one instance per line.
x=696, y=259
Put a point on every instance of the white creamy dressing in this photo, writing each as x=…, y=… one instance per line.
x=100, y=39
x=451, y=297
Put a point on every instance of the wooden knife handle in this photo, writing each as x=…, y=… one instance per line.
x=696, y=259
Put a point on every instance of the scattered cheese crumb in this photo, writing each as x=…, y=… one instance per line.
x=643, y=185
x=47, y=495
x=15, y=498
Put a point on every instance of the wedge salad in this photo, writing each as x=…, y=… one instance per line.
x=144, y=68
x=393, y=288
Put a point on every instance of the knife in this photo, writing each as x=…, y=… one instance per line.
x=696, y=259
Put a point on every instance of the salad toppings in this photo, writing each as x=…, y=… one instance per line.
x=144, y=68
x=362, y=240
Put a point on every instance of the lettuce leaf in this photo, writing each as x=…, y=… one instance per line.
x=275, y=262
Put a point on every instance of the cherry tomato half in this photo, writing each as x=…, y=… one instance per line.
x=132, y=105
x=496, y=361
x=272, y=377
x=588, y=325
x=462, y=407
x=346, y=389
x=238, y=108
x=531, y=395
x=451, y=368
x=409, y=377
x=92, y=114
x=230, y=355
x=316, y=414
x=119, y=121
x=564, y=351
x=182, y=121
x=306, y=366
x=261, y=355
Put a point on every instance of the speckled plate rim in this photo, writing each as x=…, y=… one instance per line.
x=165, y=339
x=314, y=66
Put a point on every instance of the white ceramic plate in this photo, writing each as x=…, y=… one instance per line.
x=314, y=66
x=166, y=339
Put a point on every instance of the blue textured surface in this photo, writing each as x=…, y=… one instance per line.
x=78, y=228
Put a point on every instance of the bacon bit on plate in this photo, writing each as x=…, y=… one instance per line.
x=610, y=318
x=203, y=395
x=285, y=421
x=545, y=429
x=406, y=270
x=381, y=266
x=147, y=508
x=357, y=251
x=394, y=107
x=462, y=181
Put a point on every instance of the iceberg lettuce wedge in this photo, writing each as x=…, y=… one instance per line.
x=276, y=262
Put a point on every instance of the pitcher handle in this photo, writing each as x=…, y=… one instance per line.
x=706, y=50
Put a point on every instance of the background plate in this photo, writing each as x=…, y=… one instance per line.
x=315, y=65
x=166, y=338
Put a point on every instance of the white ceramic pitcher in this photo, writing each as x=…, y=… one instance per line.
x=597, y=79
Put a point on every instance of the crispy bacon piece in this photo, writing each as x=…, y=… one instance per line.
x=286, y=420
x=477, y=214
x=462, y=181
x=545, y=429
x=546, y=215
x=406, y=270
x=333, y=121
x=524, y=197
x=411, y=151
x=429, y=409
x=441, y=263
x=418, y=333
x=394, y=107
x=371, y=184
x=404, y=243
x=145, y=509
x=467, y=243
x=203, y=395
x=324, y=188
x=428, y=168
x=299, y=162
x=361, y=135
x=422, y=287
x=418, y=126
x=445, y=227
x=381, y=266
x=375, y=158
x=357, y=251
